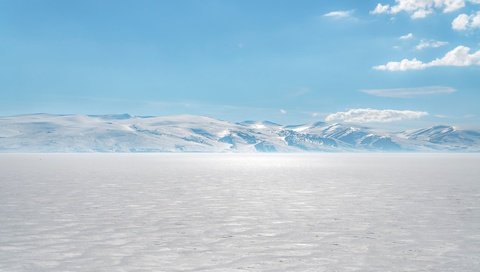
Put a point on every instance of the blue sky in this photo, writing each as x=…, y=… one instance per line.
x=285, y=61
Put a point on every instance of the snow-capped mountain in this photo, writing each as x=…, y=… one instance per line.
x=444, y=138
x=187, y=133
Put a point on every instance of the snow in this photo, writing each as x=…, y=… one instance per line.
x=239, y=212
x=300, y=129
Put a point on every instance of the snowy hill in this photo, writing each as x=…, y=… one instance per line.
x=187, y=133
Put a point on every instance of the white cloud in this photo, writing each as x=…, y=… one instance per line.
x=460, y=22
x=410, y=92
x=379, y=9
x=282, y=111
x=373, y=115
x=339, y=14
x=421, y=8
x=465, y=22
x=430, y=44
x=460, y=56
x=402, y=65
x=408, y=36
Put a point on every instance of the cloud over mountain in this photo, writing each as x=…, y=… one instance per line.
x=374, y=115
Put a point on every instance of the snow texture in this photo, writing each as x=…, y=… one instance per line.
x=239, y=212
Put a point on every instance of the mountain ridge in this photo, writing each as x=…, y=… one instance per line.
x=194, y=133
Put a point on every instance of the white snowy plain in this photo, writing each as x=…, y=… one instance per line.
x=240, y=212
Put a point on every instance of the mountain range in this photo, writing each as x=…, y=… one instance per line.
x=189, y=133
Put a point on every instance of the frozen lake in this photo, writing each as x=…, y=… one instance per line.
x=189, y=212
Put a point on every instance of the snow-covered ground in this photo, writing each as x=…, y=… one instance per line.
x=239, y=212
